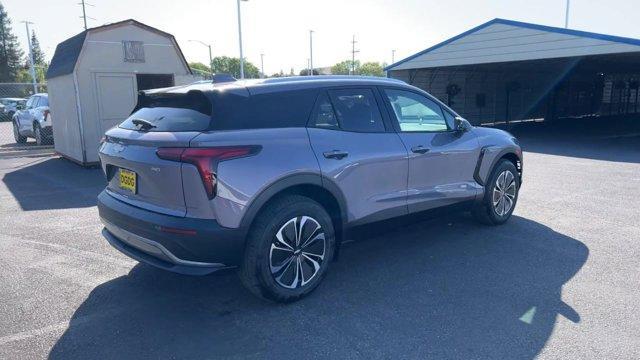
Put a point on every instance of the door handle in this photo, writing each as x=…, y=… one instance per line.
x=419, y=149
x=335, y=154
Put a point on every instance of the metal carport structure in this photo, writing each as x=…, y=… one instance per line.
x=506, y=70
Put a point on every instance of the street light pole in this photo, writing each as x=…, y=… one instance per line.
x=240, y=41
x=210, y=53
x=310, y=52
x=262, y=65
x=32, y=65
x=393, y=56
x=566, y=15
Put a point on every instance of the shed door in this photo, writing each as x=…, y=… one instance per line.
x=116, y=98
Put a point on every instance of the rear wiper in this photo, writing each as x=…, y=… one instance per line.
x=143, y=124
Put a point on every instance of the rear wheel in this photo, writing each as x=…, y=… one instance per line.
x=20, y=139
x=37, y=132
x=501, y=195
x=289, y=249
x=42, y=136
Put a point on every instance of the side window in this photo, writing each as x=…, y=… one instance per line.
x=416, y=112
x=44, y=101
x=357, y=110
x=323, y=115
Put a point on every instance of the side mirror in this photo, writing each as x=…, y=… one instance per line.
x=460, y=124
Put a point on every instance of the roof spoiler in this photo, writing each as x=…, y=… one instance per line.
x=223, y=78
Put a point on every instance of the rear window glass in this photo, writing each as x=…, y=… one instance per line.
x=176, y=113
x=357, y=110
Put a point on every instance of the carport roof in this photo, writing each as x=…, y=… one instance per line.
x=501, y=40
x=67, y=52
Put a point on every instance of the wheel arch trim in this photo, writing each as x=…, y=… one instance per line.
x=287, y=182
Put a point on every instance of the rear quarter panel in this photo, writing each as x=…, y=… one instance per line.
x=284, y=152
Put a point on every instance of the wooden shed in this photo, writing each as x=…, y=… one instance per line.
x=94, y=78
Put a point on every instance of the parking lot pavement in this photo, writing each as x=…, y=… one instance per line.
x=560, y=280
x=10, y=149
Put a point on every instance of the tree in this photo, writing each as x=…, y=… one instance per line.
x=228, y=65
x=305, y=72
x=10, y=52
x=344, y=67
x=38, y=54
x=200, y=68
x=371, y=69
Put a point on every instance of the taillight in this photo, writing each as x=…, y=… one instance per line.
x=206, y=160
x=45, y=114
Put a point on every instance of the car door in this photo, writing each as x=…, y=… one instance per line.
x=24, y=116
x=360, y=153
x=441, y=160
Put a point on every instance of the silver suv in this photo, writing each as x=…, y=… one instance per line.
x=268, y=175
x=33, y=120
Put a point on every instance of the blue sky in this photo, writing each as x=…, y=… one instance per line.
x=279, y=28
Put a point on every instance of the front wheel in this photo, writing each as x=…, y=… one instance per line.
x=20, y=139
x=501, y=195
x=288, y=250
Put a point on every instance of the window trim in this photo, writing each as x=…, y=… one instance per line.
x=375, y=94
x=396, y=123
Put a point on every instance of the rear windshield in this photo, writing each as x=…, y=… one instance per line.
x=184, y=113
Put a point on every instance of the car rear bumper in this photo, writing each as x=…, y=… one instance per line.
x=183, y=245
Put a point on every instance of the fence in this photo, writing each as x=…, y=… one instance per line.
x=13, y=99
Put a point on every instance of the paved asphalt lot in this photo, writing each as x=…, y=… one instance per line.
x=561, y=280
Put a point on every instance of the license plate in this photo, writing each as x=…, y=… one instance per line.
x=128, y=180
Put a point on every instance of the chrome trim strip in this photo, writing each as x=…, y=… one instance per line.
x=135, y=240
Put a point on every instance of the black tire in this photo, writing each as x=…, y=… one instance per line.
x=486, y=211
x=20, y=139
x=37, y=133
x=256, y=269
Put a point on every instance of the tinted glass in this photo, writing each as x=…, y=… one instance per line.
x=168, y=119
x=31, y=101
x=44, y=101
x=279, y=109
x=415, y=112
x=357, y=110
x=324, y=117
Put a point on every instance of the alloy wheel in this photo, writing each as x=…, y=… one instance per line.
x=504, y=193
x=297, y=252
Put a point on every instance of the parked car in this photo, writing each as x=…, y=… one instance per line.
x=269, y=175
x=9, y=106
x=33, y=120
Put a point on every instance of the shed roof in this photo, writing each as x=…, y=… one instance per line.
x=67, y=52
x=501, y=40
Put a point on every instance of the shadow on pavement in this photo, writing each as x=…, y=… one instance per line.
x=608, y=139
x=445, y=288
x=54, y=183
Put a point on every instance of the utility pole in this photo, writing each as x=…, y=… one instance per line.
x=310, y=53
x=566, y=15
x=393, y=56
x=353, y=55
x=32, y=65
x=240, y=41
x=84, y=13
x=262, y=65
